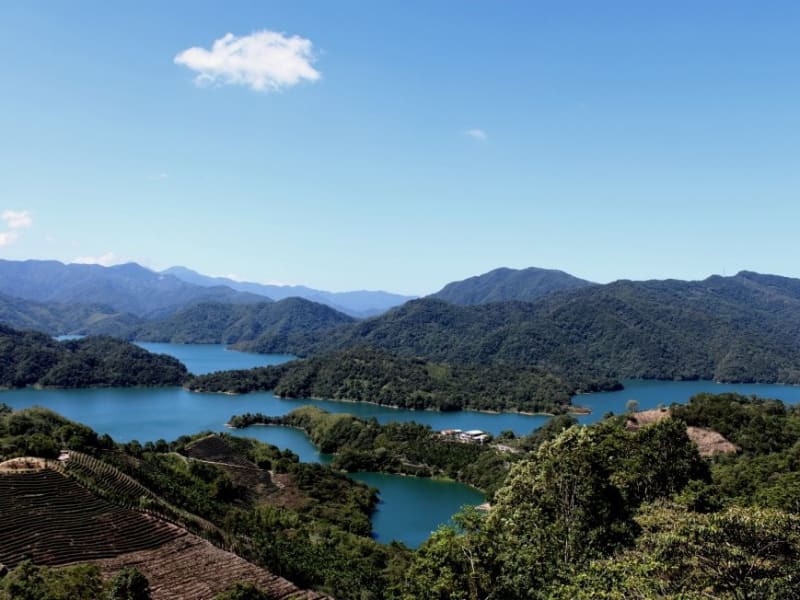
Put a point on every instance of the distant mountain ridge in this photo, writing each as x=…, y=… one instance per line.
x=359, y=304
x=231, y=324
x=504, y=284
x=128, y=288
x=744, y=328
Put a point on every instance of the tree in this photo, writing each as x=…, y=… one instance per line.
x=129, y=584
x=242, y=591
x=555, y=512
x=451, y=564
x=632, y=406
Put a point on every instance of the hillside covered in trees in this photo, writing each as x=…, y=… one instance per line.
x=262, y=325
x=744, y=328
x=502, y=285
x=62, y=319
x=32, y=358
x=368, y=375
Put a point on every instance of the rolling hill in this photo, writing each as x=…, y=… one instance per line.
x=32, y=358
x=61, y=319
x=214, y=323
x=744, y=328
x=503, y=284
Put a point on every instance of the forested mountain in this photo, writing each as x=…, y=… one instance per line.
x=128, y=288
x=506, y=284
x=214, y=323
x=742, y=328
x=32, y=358
x=359, y=304
x=368, y=375
x=60, y=319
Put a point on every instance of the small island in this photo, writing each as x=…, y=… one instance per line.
x=369, y=375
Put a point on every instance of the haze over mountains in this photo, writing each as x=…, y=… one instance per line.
x=128, y=288
x=359, y=304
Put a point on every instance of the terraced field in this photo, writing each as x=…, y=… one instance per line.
x=53, y=520
x=114, y=485
x=190, y=568
x=215, y=450
x=106, y=476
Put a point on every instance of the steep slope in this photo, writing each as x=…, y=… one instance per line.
x=506, y=284
x=741, y=328
x=54, y=521
x=214, y=323
x=128, y=288
x=31, y=358
x=358, y=304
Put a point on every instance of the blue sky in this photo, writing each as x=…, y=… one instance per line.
x=403, y=145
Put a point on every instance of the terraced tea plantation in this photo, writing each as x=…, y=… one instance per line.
x=53, y=520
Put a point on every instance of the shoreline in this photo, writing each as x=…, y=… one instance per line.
x=572, y=409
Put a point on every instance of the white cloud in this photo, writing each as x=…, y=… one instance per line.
x=157, y=177
x=17, y=219
x=265, y=61
x=105, y=260
x=8, y=237
x=14, y=219
x=477, y=134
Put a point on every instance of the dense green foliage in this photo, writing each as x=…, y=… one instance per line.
x=129, y=584
x=408, y=448
x=740, y=329
x=607, y=513
x=28, y=581
x=30, y=358
x=243, y=325
x=41, y=432
x=243, y=591
x=501, y=285
x=755, y=425
x=767, y=470
x=571, y=502
x=367, y=375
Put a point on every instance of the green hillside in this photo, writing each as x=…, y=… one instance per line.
x=744, y=328
x=31, y=358
x=501, y=285
x=261, y=326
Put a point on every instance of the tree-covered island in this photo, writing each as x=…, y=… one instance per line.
x=369, y=375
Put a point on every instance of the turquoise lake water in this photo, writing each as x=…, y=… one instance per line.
x=410, y=507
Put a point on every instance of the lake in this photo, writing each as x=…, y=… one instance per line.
x=649, y=394
x=410, y=507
